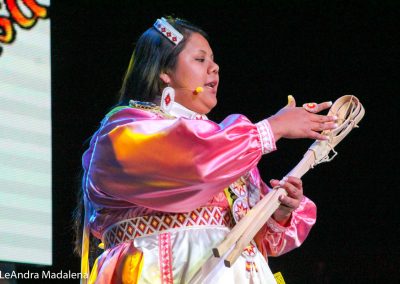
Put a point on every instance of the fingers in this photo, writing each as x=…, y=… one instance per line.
x=317, y=136
x=297, y=182
x=320, y=123
x=274, y=182
x=315, y=108
x=323, y=118
x=298, y=122
x=324, y=105
x=319, y=126
x=292, y=185
x=289, y=203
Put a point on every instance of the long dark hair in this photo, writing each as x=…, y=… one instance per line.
x=152, y=55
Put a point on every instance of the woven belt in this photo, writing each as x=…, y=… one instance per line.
x=130, y=229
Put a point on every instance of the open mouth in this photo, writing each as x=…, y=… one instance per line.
x=211, y=85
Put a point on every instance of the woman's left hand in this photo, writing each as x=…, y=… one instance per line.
x=289, y=203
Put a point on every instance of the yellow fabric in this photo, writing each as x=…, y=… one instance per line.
x=93, y=275
x=279, y=278
x=228, y=197
x=85, y=254
x=132, y=268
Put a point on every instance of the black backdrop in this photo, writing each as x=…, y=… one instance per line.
x=314, y=50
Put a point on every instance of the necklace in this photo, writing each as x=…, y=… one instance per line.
x=149, y=106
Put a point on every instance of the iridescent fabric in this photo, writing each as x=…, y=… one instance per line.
x=141, y=163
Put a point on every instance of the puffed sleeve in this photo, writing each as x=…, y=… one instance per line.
x=173, y=165
x=274, y=239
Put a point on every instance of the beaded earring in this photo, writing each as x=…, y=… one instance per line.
x=167, y=99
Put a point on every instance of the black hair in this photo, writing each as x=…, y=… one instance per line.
x=153, y=55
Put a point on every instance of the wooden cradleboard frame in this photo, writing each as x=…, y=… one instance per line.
x=349, y=111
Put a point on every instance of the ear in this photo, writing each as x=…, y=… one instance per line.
x=165, y=78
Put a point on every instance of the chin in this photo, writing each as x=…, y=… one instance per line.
x=214, y=103
x=210, y=107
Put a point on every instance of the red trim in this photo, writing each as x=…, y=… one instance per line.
x=165, y=254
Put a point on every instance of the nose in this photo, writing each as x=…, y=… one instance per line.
x=214, y=68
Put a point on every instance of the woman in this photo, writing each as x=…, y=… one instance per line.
x=163, y=185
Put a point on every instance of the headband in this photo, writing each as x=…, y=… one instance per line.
x=168, y=31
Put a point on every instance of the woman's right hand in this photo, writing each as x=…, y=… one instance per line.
x=296, y=122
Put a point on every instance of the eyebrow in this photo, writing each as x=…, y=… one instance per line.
x=205, y=52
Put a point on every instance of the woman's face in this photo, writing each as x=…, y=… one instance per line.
x=195, y=68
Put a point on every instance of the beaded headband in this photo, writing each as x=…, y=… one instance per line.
x=168, y=31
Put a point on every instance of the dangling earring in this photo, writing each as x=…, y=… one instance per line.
x=167, y=99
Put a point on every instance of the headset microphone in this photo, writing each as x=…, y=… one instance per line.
x=198, y=90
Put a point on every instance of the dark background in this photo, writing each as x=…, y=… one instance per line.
x=314, y=50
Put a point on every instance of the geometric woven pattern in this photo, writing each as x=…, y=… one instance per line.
x=266, y=135
x=168, y=31
x=130, y=229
